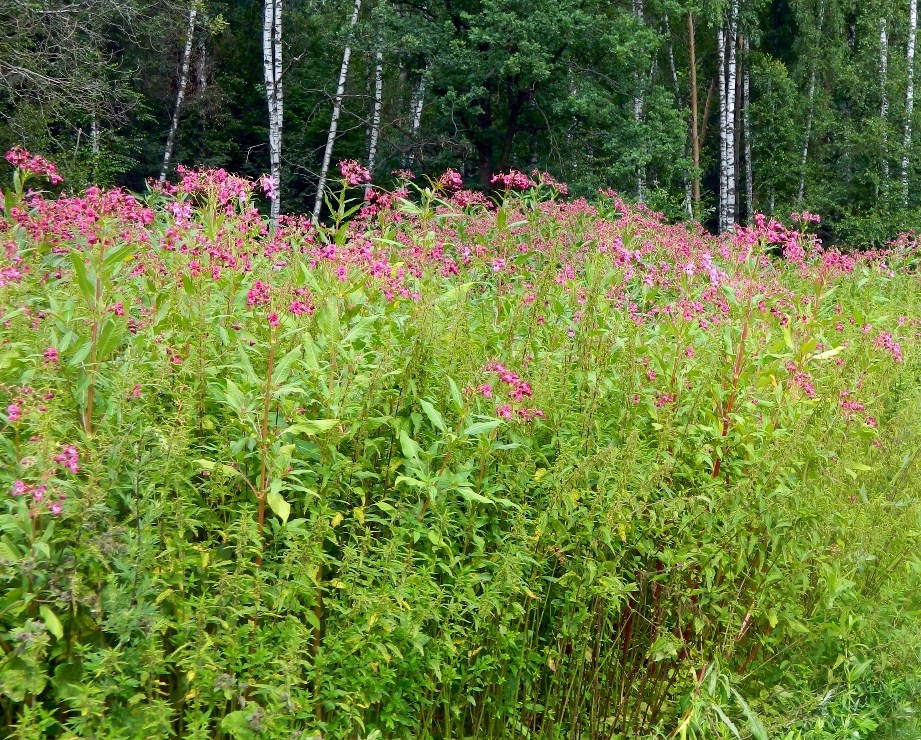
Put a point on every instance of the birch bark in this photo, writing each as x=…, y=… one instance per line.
x=909, y=96
x=884, y=95
x=376, y=117
x=723, y=181
x=810, y=109
x=337, y=109
x=746, y=124
x=272, y=71
x=415, y=114
x=731, y=99
x=695, y=130
x=638, y=11
x=180, y=93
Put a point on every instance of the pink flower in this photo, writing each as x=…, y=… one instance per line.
x=19, y=488
x=273, y=320
x=70, y=458
x=512, y=180
x=13, y=413
x=451, y=180
x=353, y=173
x=51, y=355
x=269, y=186
x=258, y=295
x=33, y=164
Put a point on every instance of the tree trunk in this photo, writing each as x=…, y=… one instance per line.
x=416, y=103
x=746, y=123
x=809, y=112
x=732, y=159
x=884, y=96
x=909, y=96
x=638, y=10
x=695, y=135
x=376, y=117
x=688, y=197
x=180, y=93
x=272, y=69
x=337, y=109
x=724, y=124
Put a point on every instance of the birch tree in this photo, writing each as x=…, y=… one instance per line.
x=180, y=92
x=909, y=96
x=728, y=68
x=638, y=11
x=274, y=92
x=376, y=115
x=337, y=110
x=695, y=130
x=884, y=95
x=416, y=103
x=810, y=107
x=747, y=131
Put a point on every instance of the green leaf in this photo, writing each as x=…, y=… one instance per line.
x=277, y=502
x=481, y=427
x=51, y=621
x=471, y=495
x=236, y=724
x=109, y=339
x=87, y=287
x=436, y=418
x=312, y=426
x=409, y=446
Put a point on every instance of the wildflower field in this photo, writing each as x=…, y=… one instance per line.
x=451, y=467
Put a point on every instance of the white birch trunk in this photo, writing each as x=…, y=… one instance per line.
x=270, y=75
x=909, y=96
x=732, y=101
x=810, y=107
x=337, y=109
x=747, y=131
x=180, y=93
x=884, y=95
x=638, y=11
x=376, y=117
x=416, y=102
x=721, y=56
x=688, y=201
x=279, y=109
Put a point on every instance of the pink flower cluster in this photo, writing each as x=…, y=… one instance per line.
x=545, y=178
x=354, y=173
x=258, y=295
x=33, y=164
x=451, y=180
x=69, y=458
x=39, y=498
x=269, y=186
x=802, y=379
x=512, y=180
x=887, y=342
x=518, y=391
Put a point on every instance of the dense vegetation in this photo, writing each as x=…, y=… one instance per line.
x=804, y=104
x=451, y=467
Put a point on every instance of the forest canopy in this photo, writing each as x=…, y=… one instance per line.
x=713, y=109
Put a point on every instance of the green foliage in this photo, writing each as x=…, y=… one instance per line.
x=322, y=523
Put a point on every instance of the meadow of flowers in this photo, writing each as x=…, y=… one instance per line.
x=450, y=467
